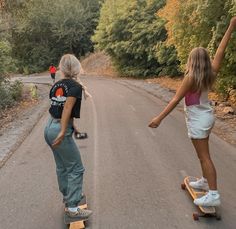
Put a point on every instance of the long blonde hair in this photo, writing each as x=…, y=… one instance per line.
x=199, y=67
x=70, y=66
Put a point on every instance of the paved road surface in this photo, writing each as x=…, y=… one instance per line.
x=133, y=173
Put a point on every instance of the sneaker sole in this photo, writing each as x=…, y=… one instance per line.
x=70, y=219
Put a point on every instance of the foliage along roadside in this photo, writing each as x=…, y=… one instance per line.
x=34, y=34
x=43, y=30
x=202, y=23
x=133, y=35
x=152, y=37
x=144, y=37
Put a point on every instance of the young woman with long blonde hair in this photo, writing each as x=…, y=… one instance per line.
x=199, y=77
x=66, y=96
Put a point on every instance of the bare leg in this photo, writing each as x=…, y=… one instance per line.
x=208, y=169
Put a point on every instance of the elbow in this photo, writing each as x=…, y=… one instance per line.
x=175, y=100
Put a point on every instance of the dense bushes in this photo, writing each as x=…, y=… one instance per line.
x=7, y=63
x=10, y=93
x=152, y=37
x=202, y=23
x=132, y=34
x=34, y=34
x=43, y=30
x=143, y=37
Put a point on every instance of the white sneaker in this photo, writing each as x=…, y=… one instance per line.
x=200, y=184
x=209, y=200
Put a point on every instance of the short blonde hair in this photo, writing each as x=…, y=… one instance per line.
x=70, y=66
x=199, y=67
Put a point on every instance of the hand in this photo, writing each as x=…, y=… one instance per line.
x=155, y=122
x=233, y=22
x=87, y=94
x=58, y=139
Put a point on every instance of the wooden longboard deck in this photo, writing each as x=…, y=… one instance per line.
x=197, y=193
x=75, y=223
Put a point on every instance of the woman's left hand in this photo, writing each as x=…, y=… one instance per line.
x=87, y=94
x=155, y=122
x=58, y=139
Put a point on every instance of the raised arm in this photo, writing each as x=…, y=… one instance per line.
x=85, y=90
x=222, y=46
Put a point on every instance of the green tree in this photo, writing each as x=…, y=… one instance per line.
x=46, y=29
x=202, y=23
x=227, y=78
x=132, y=34
x=193, y=24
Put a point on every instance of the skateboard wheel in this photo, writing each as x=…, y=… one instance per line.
x=183, y=186
x=195, y=216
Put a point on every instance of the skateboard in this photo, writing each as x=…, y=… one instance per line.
x=74, y=223
x=197, y=193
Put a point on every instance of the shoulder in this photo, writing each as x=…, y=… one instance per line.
x=188, y=80
x=74, y=89
x=75, y=84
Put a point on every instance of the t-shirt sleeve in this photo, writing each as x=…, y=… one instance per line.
x=75, y=91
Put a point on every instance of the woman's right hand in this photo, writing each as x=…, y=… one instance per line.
x=155, y=122
x=58, y=139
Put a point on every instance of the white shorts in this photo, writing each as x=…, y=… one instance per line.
x=199, y=120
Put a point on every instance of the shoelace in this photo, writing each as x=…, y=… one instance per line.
x=79, y=212
x=82, y=212
x=206, y=197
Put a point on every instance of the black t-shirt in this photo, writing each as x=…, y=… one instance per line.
x=58, y=94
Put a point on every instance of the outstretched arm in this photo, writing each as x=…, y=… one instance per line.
x=184, y=88
x=222, y=46
x=86, y=93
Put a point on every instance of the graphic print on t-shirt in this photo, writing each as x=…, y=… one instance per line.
x=58, y=99
x=58, y=96
x=59, y=92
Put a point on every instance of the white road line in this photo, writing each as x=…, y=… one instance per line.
x=96, y=174
x=183, y=173
x=133, y=108
x=151, y=131
x=121, y=96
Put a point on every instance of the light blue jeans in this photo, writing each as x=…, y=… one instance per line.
x=69, y=166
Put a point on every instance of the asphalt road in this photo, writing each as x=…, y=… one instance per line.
x=133, y=173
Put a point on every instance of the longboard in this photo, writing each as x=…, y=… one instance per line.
x=197, y=193
x=74, y=223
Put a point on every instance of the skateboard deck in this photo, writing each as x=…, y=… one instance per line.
x=197, y=193
x=74, y=223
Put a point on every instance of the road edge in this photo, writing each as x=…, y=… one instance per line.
x=23, y=130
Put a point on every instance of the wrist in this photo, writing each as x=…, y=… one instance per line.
x=231, y=28
x=62, y=132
